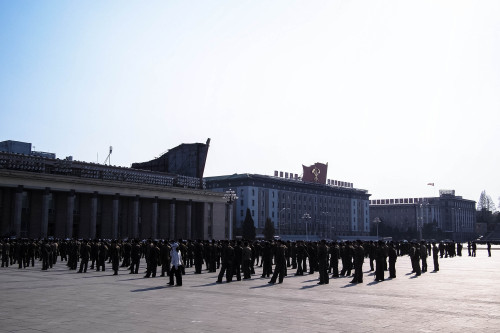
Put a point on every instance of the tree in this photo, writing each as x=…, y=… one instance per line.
x=485, y=203
x=268, y=229
x=248, y=227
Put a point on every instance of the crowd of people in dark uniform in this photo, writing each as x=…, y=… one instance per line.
x=232, y=258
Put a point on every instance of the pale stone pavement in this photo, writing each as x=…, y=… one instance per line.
x=463, y=296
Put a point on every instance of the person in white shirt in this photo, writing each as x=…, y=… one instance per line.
x=176, y=265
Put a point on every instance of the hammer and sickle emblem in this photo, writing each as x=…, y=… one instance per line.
x=315, y=172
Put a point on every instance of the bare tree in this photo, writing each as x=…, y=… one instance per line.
x=485, y=203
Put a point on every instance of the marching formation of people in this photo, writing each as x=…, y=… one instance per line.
x=232, y=258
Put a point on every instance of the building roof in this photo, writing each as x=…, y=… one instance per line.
x=281, y=181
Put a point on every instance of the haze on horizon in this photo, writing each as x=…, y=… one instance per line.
x=392, y=95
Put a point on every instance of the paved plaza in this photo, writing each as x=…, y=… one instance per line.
x=463, y=296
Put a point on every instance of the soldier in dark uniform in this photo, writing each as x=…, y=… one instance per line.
x=31, y=252
x=323, y=262
x=135, y=257
x=258, y=252
x=12, y=252
x=63, y=251
x=114, y=253
x=218, y=254
x=198, y=256
x=94, y=253
x=334, y=259
x=441, y=249
x=20, y=250
x=371, y=254
x=488, y=246
x=300, y=251
x=73, y=249
x=153, y=257
x=254, y=254
x=46, y=252
x=393, y=257
x=189, y=260
x=214, y=254
x=126, y=248
x=238, y=256
x=5, y=253
x=293, y=254
x=359, y=258
x=279, y=269
x=206, y=254
x=184, y=252
x=84, y=256
x=380, y=255
x=101, y=259
x=474, y=248
x=313, y=257
x=415, y=259
x=165, y=258
x=435, y=254
x=227, y=263
x=55, y=251
x=246, y=261
x=423, y=256
x=267, y=260
x=346, y=254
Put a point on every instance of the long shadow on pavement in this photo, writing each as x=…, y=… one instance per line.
x=372, y=283
x=206, y=285
x=148, y=289
x=310, y=286
x=263, y=286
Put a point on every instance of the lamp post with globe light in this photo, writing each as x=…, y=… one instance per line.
x=306, y=217
x=230, y=197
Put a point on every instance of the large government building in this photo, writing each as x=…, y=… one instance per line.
x=42, y=196
x=451, y=215
x=306, y=207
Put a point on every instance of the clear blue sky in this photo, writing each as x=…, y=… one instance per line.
x=391, y=94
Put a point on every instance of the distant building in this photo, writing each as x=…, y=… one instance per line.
x=452, y=215
x=17, y=147
x=335, y=211
x=43, y=197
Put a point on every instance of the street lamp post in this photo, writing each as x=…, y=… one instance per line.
x=279, y=220
x=306, y=217
x=230, y=197
x=377, y=221
x=323, y=225
x=420, y=223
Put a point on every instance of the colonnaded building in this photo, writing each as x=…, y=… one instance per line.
x=42, y=196
x=309, y=206
x=453, y=216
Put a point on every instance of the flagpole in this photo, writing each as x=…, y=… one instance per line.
x=432, y=189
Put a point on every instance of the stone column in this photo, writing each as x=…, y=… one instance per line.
x=44, y=222
x=154, y=219
x=18, y=209
x=93, y=216
x=69, y=214
x=189, y=219
x=135, y=217
x=114, y=218
x=172, y=220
